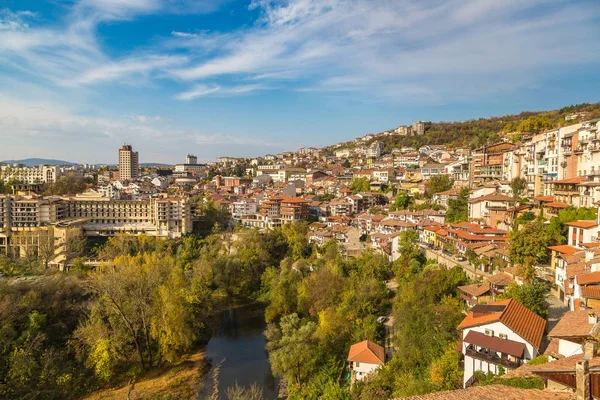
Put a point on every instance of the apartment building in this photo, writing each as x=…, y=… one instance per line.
x=487, y=161
x=129, y=167
x=94, y=216
x=30, y=175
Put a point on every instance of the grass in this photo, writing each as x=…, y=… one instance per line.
x=179, y=381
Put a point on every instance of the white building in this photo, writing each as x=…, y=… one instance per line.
x=503, y=334
x=242, y=208
x=365, y=358
x=129, y=167
x=30, y=175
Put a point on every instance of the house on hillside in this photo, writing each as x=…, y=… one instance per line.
x=364, y=358
x=502, y=334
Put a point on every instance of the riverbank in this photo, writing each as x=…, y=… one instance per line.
x=180, y=381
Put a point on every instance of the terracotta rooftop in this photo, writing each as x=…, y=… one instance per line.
x=583, y=224
x=589, y=278
x=564, y=249
x=476, y=289
x=495, y=392
x=574, y=324
x=500, y=279
x=557, y=205
x=575, y=269
x=575, y=181
x=544, y=198
x=515, y=316
x=367, y=352
x=591, y=292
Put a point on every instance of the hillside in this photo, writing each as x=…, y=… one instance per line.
x=477, y=132
x=32, y=162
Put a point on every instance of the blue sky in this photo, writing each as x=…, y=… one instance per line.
x=245, y=78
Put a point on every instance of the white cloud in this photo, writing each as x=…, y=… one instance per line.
x=401, y=44
x=197, y=91
x=14, y=21
x=144, y=119
x=205, y=90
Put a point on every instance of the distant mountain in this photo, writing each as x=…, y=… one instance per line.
x=32, y=162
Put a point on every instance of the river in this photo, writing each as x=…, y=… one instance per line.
x=240, y=342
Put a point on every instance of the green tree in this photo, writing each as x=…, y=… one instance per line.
x=531, y=241
x=411, y=258
x=360, y=185
x=444, y=372
x=532, y=296
x=437, y=184
x=458, y=209
x=402, y=201
x=293, y=350
x=518, y=186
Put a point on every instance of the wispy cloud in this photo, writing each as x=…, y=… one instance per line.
x=401, y=43
x=14, y=21
x=205, y=90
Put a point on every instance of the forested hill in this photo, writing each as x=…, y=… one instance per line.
x=477, y=132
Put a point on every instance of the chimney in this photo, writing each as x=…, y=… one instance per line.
x=582, y=379
x=590, y=348
x=592, y=318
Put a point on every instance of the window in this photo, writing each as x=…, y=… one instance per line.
x=356, y=364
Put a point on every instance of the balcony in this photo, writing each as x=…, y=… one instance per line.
x=594, y=173
x=567, y=151
x=491, y=357
x=578, y=150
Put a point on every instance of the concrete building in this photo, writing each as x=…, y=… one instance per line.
x=191, y=159
x=30, y=175
x=418, y=128
x=129, y=167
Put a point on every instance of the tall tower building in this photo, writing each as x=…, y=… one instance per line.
x=191, y=159
x=129, y=166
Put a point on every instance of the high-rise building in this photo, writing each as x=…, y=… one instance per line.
x=191, y=159
x=129, y=166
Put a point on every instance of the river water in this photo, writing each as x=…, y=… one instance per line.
x=240, y=342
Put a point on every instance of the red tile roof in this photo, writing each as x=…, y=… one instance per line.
x=544, y=198
x=476, y=289
x=583, y=224
x=586, y=279
x=495, y=392
x=564, y=249
x=367, y=352
x=591, y=292
x=556, y=205
x=574, y=324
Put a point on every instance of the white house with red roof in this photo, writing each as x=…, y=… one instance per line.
x=504, y=334
x=365, y=358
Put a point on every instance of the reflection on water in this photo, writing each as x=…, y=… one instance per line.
x=240, y=341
